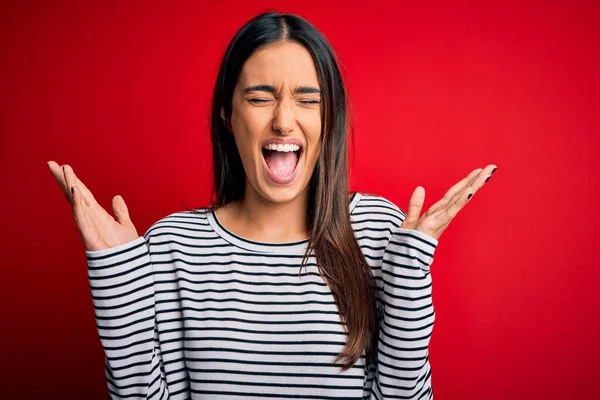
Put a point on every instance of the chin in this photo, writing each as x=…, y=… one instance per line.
x=279, y=193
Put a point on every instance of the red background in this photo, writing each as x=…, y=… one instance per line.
x=121, y=91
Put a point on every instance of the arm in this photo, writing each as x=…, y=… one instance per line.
x=403, y=370
x=402, y=356
x=120, y=277
x=122, y=288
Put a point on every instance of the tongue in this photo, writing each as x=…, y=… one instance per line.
x=281, y=164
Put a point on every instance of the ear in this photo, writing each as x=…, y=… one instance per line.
x=225, y=121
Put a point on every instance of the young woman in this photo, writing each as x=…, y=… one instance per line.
x=214, y=303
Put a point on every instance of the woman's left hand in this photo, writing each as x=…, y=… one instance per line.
x=438, y=217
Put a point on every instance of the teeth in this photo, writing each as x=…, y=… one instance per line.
x=282, y=147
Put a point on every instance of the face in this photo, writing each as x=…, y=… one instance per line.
x=276, y=120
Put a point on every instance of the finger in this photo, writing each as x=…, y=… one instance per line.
x=59, y=176
x=463, y=183
x=465, y=195
x=120, y=210
x=69, y=181
x=81, y=215
x=415, y=205
x=79, y=210
x=475, y=184
x=86, y=194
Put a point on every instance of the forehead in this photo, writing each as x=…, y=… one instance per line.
x=280, y=63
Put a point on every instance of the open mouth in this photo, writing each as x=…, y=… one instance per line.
x=281, y=161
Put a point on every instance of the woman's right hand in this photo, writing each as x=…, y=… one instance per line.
x=97, y=228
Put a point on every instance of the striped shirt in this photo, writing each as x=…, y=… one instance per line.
x=192, y=311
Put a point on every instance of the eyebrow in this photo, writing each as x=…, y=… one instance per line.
x=271, y=89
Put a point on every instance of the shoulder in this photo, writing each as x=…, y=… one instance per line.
x=371, y=208
x=179, y=222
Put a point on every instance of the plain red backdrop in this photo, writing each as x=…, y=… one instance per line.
x=121, y=91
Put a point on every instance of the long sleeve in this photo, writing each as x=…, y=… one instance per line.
x=402, y=364
x=122, y=285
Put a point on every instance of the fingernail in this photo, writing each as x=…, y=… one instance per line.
x=488, y=178
x=469, y=196
x=72, y=189
x=494, y=170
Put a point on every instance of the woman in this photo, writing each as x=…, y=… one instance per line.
x=213, y=303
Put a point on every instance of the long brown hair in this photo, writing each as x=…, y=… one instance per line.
x=339, y=258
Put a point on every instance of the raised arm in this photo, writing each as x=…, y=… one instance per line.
x=403, y=370
x=120, y=276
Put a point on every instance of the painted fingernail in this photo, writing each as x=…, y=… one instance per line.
x=494, y=170
x=488, y=178
x=469, y=196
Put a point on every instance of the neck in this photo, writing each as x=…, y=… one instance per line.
x=265, y=221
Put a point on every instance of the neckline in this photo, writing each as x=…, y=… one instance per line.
x=296, y=247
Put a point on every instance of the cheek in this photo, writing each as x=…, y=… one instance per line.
x=250, y=122
x=315, y=153
x=312, y=130
x=245, y=130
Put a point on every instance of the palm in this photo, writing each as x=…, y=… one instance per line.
x=97, y=228
x=100, y=230
x=435, y=220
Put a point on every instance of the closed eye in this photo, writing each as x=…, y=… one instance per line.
x=260, y=101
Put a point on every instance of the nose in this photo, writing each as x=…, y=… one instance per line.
x=284, y=118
